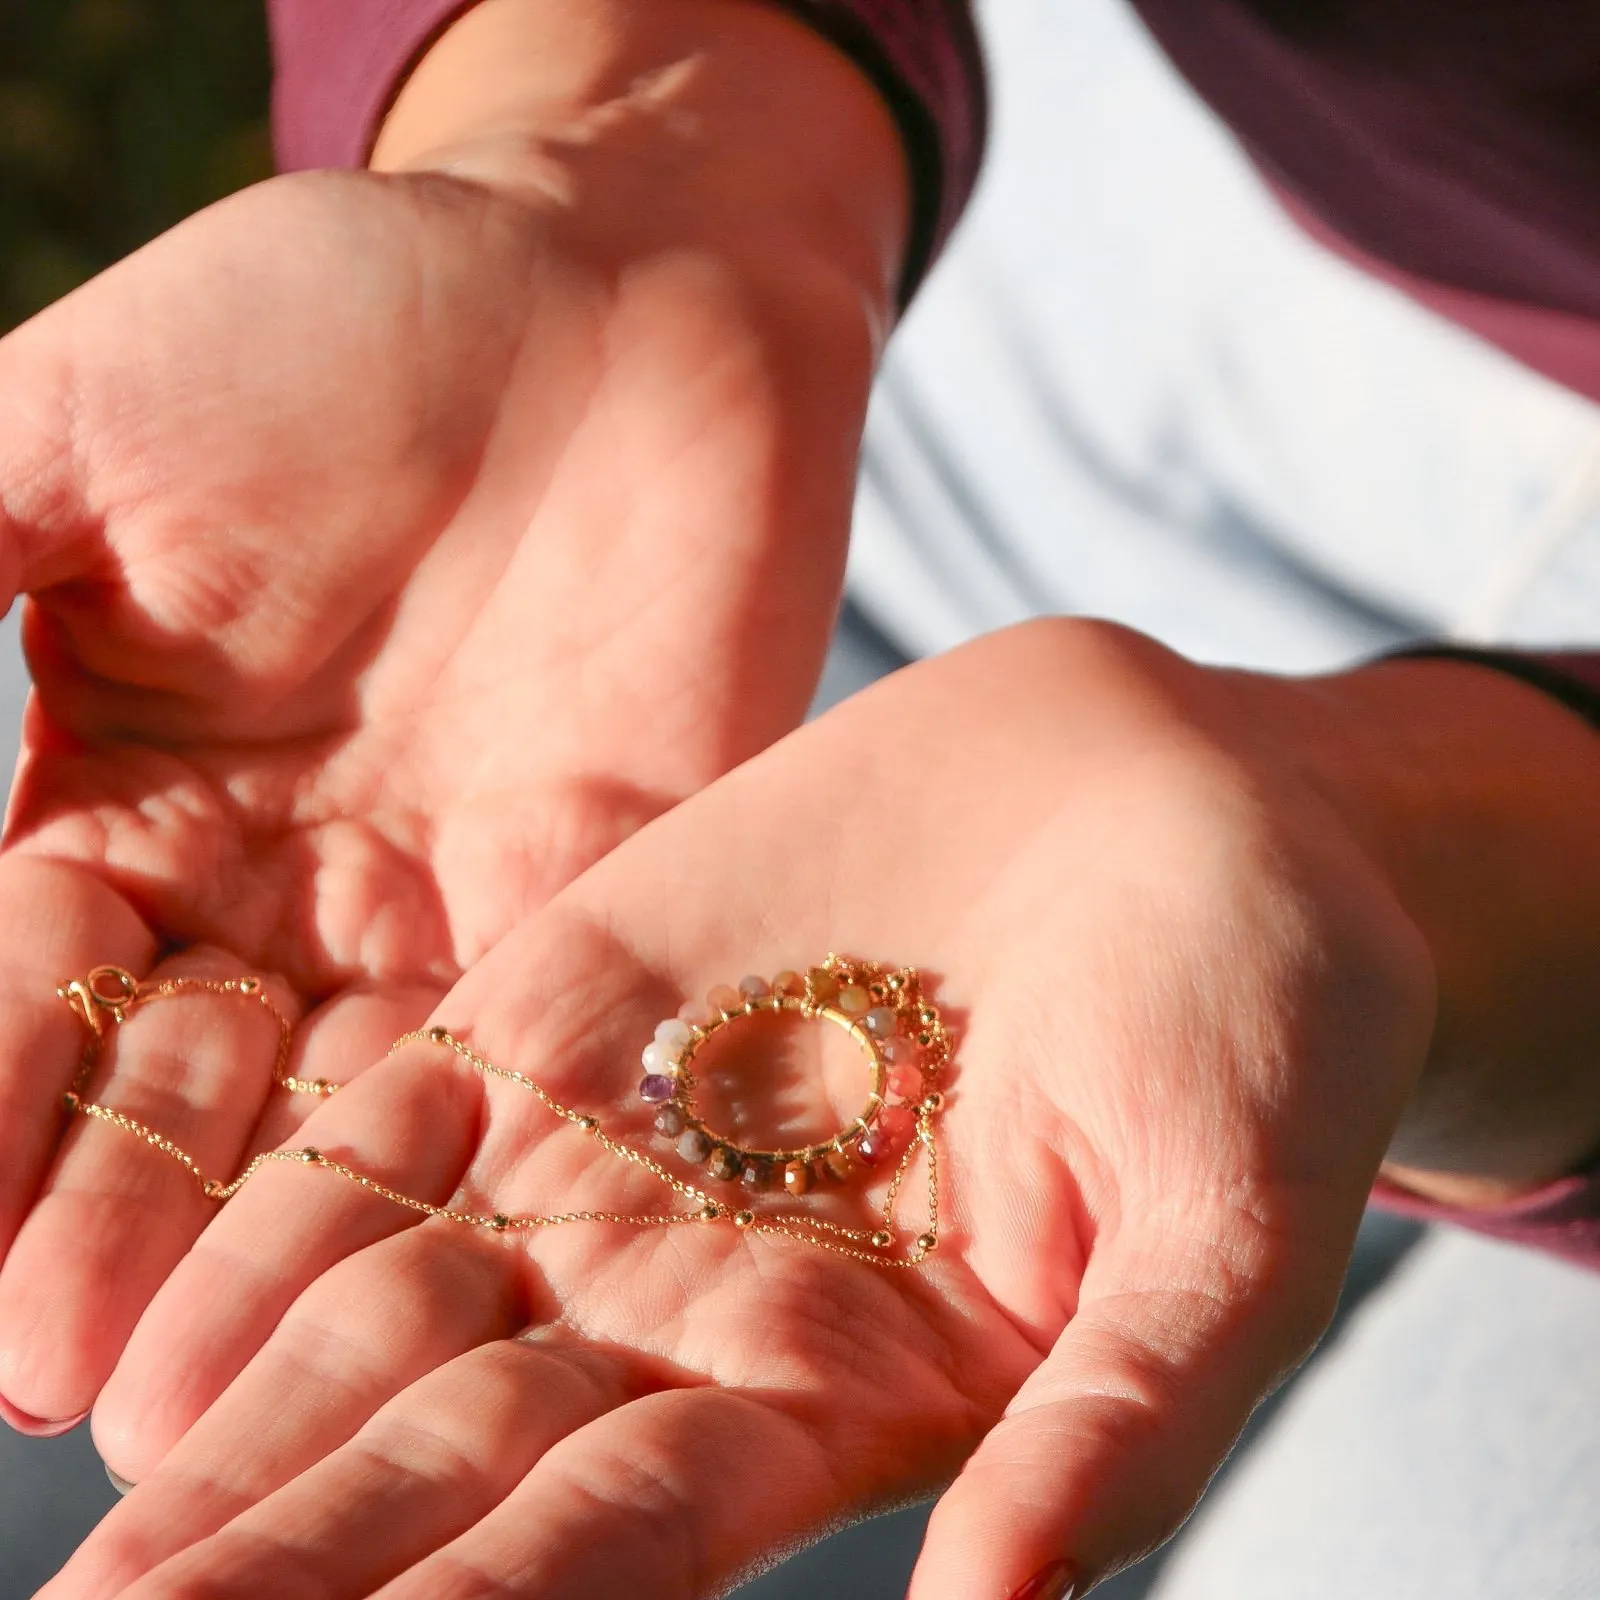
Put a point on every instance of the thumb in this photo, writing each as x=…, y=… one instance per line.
x=1183, y=1325
x=47, y=531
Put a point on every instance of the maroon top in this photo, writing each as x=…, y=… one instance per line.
x=1451, y=146
x=339, y=63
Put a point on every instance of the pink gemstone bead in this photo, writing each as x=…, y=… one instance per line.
x=896, y=1123
x=754, y=988
x=725, y=998
x=896, y=1049
x=905, y=1082
x=696, y=1013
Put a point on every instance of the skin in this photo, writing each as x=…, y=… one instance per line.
x=1219, y=942
x=1195, y=1007
x=380, y=581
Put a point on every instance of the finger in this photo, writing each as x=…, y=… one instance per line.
x=409, y=1123
x=427, y=1467
x=674, y=1495
x=1183, y=1325
x=55, y=922
x=336, y=1043
x=412, y=1124
x=366, y=1329
x=116, y=1215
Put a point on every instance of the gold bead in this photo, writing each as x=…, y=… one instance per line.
x=927, y=1016
x=924, y=1039
x=439, y=1035
x=882, y=1239
x=249, y=985
x=319, y=1086
x=878, y=991
x=70, y=1101
x=743, y=1219
x=926, y=1242
x=710, y=1211
x=311, y=1155
x=500, y=1222
x=896, y=981
x=589, y=1124
x=933, y=1103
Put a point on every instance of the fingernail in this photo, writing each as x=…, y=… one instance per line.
x=120, y=1484
x=1055, y=1582
x=36, y=1427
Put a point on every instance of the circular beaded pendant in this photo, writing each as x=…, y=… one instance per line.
x=900, y=1034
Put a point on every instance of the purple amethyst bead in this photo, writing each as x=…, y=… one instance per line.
x=655, y=1087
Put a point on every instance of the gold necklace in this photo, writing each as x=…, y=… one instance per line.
x=883, y=1009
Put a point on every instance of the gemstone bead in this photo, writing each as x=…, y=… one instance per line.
x=723, y=1163
x=880, y=1022
x=823, y=984
x=655, y=1087
x=673, y=1033
x=726, y=999
x=754, y=988
x=839, y=1165
x=872, y=1147
x=670, y=1121
x=797, y=1177
x=906, y=1082
x=757, y=1176
x=896, y=1122
x=693, y=1145
x=696, y=1013
x=789, y=984
x=658, y=1058
x=896, y=1049
x=854, y=1000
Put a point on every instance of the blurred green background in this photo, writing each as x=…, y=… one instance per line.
x=117, y=118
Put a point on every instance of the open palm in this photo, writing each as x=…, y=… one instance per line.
x=1189, y=1016
x=394, y=549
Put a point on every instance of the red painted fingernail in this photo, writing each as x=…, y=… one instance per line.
x=36, y=1427
x=1055, y=1582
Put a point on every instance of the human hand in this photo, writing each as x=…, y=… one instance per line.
x=1192, y=1007
x=397, y=543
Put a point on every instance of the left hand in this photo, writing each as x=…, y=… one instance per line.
x=1192, y=1010
x=396, y=543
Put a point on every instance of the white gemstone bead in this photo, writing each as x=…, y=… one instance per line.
x=854, y=1001
x=673, y=1033
x=658, y=1058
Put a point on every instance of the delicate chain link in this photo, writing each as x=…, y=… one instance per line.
x=111, y=994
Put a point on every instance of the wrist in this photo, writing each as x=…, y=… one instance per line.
x=659, y=125
x=1474, y=796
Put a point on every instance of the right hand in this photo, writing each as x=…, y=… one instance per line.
x=1214, y=939
x=396, y=544
x=1190, y=1012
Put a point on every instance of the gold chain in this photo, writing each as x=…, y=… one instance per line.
x=112, y=995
